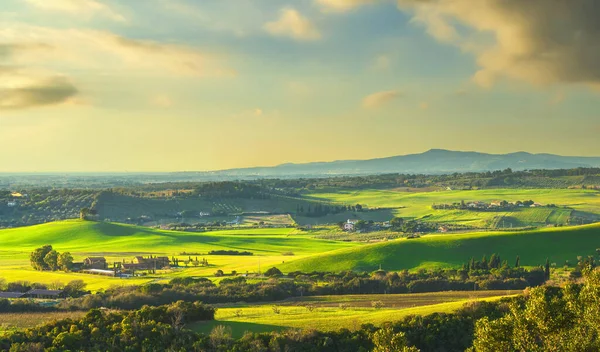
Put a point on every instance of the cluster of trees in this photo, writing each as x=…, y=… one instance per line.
x=229, y=252
x=546, y=319
x=148, y=329
x=319, y=209
x=46, y=258
x=35, y=205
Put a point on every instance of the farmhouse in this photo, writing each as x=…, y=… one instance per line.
x=9, y=295
x=443, y=229
x=350, y=225
x=150, y=263
x=94, y=263
x=12, y=204
x=44, y=294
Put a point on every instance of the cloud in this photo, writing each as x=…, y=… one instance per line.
x=540, y=42
x=91, y=50
x=292, y=24
x=79, y=8
x=380, y=98
x=343, y=5
x=20, y=90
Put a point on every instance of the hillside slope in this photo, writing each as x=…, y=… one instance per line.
x=88, y=236
x=533, y=247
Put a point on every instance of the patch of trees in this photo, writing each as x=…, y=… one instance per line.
x=148, y=329
x=46, y=258
x=318, y=209
x=546, y=319
x=229, y=252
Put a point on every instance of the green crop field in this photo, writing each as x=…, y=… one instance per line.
x=327, y=315
x=19, y=321
x=118, y=242
x=418, y=204
x=533, y=247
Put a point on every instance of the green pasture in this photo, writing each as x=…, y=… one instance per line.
x=418, y=204
x=324, y=316
x=533, y=247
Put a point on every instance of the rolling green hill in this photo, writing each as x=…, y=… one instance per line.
x=533, y=247
x=88, y=236
x=119, y=242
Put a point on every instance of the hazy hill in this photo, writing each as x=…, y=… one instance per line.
x=435, y=161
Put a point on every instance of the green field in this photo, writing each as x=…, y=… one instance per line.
x=533, y=247
x=418, y=204
x=19, y=321
x=327, y=315
x=118, y=242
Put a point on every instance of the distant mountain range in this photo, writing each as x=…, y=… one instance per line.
x=435, y=161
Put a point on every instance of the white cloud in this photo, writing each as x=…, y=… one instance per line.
x=292, y=24
x=380, y=98
x=36, y=62
x=106, y=52
x=343, y=5
x=537, y=41
x=80, y=8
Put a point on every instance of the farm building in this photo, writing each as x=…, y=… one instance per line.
x=94, y=263
x=150, y=263
x=8, y=295
x=349, y=225
x=43, y=294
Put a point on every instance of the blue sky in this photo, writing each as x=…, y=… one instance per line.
x=152, y=85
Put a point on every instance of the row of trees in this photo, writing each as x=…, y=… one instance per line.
x=46, y=258
x=324, y=209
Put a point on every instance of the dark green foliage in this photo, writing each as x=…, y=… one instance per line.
x=229, y=252
x=37, y=257
x=273, y=272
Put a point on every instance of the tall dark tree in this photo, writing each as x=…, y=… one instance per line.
x=37, y=257
x=518, y=262
x=547, y=269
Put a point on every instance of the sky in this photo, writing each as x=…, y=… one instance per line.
x=192, y=85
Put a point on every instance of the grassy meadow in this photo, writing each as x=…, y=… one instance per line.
x=558, y=244
x=326, y=314
x=409, y=204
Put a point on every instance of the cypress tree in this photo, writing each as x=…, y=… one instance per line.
x=518, y=262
